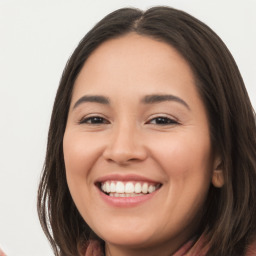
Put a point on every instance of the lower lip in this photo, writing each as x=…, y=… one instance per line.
x=126, y=201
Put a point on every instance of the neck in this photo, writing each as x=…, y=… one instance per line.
x=166, y=248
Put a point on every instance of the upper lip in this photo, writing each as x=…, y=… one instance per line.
x=129, y=177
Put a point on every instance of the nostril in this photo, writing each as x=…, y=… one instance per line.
x=125, y=146
x=124, y=155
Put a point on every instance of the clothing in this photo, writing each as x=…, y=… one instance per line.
x=94, y=249
x=2, y=253
x=191, y=248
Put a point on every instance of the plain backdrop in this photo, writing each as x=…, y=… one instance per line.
x=36, y=39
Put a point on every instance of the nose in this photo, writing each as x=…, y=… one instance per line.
x=125, y=145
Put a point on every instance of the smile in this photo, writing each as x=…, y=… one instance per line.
x=128, y=188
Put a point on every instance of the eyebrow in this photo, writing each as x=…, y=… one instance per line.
x=158, y=98
x=148, y=99
x=92, y=98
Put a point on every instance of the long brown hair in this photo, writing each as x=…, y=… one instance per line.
x=229, y=221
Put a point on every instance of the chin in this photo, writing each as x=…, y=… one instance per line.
x=131, y=238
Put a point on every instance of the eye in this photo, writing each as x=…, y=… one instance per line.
x=94, y=120
x=161, y=120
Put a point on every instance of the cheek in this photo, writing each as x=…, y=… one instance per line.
x=187, y=165
x=184, y=151
x=80, y=153
x=186, y=161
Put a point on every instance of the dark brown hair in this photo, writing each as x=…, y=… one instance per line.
x=229, y=221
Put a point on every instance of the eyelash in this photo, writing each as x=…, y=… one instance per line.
x=159, y=120
x=94, y=120
x=162, y=120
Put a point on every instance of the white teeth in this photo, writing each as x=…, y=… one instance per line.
x=127, y=189
x=103, y=186
x=145, y=188
x=112, y=187
x=119, y=187
x=125, y=195
x=137, y=188
x=107, y=187
x=151, y=189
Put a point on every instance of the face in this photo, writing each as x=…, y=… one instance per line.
x=137, y=147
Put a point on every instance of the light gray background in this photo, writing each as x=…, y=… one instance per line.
x=36, y=39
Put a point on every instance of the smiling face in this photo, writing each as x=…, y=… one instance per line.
x=137, y=147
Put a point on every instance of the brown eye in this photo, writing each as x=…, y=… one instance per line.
x=94, y=120
x=162, y=121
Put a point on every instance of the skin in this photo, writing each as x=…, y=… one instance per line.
x=128, y=139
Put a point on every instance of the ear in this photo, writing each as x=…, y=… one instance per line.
x=217, y=175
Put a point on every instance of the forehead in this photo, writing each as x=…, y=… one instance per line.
x=134, y=57
x=127, y=69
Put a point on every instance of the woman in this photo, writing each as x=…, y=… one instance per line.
x=152, y=143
